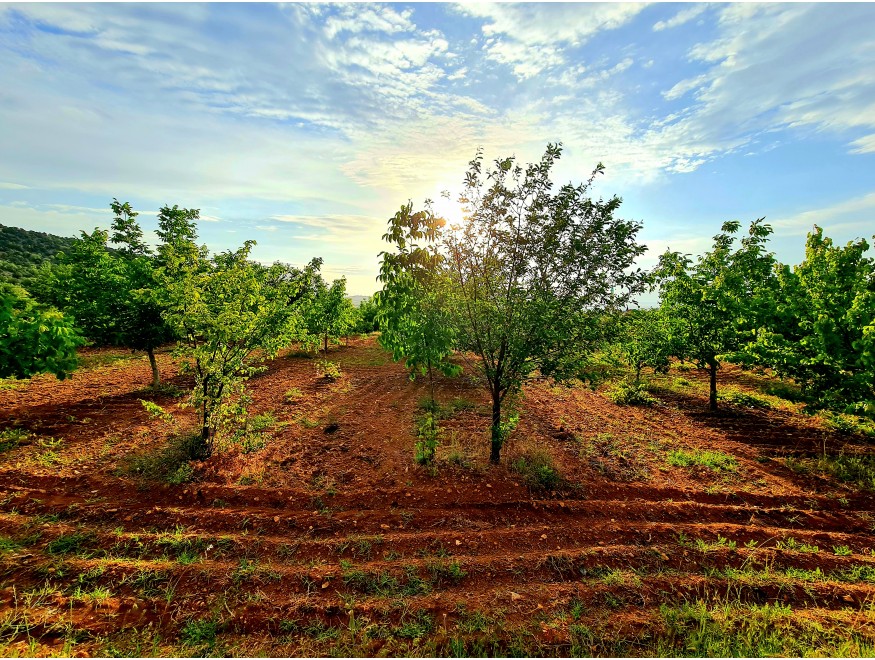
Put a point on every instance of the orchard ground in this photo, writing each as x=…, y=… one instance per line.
x=607, y=529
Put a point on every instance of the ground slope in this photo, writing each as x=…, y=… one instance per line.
x=672, y=531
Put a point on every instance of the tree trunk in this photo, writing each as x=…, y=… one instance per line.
x=497, y=440
x=712, y=402
x=326, y=344
x=156, y=377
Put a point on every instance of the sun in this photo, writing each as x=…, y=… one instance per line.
x=447, y=207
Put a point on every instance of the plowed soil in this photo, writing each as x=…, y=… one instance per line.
x=320, y=535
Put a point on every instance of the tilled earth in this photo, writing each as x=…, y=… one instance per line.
x=319, y=535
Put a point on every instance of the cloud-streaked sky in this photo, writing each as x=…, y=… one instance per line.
x=306, y=126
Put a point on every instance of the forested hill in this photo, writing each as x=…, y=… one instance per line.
x=23, y=251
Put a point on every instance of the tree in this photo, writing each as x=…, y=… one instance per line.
x=716, y=305
x=412, y=310
x=823, y=335
x=366, y=317
x=330, y=314
x=531, y=270
x=34, y=338
x=232, y=314
x=112, y=294
x=645, y=340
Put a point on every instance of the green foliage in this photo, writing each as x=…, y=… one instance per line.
x=538, y=470
x=157, y=412
x=411, y=307
x=168, y=464
x=24, y=252
x=848, y=424
x=428, y=433
x=716, y=304
x=531, y=273
x=645, y=340
x=11, y=438
x=824, y=331
x=726, y=629
x=33, y=338
x=113, y=294
x=366, y=317
x=329, y=314
x=630, y=394
x=232, y=314
x=328, y=370
x=737, y=397
x=858, y=469
x=199, y=633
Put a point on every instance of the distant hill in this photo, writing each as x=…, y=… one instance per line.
x=23, y=251
x=357, y=300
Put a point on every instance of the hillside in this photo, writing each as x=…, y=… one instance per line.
x=656, y=531
x=23, y=251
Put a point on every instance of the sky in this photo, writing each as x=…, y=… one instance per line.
x=306, y=126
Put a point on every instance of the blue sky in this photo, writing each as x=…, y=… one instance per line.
x=306, y=126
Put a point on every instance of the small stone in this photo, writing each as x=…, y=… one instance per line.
x=276, y=519
x=458, y=542
x=515, y=596
x=325, y=584
x=384, y=526
x=543, y=537
x=489, y=485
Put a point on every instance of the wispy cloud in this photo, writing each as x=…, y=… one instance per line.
x=684, y=16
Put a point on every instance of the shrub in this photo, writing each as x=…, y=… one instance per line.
x=537, y=470
x=630, y=394
x=848, y=424
x=328, y=370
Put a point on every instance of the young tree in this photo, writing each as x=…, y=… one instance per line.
x=33, y=338
x=823, y=335
x=330, y=314
x=112, y=294
x=366, y=317
x=645, y=340
x=717, y=304
x=531, y=270
x=412, y=311
x=232, y=314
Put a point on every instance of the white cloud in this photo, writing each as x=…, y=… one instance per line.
x=848, y=217
x=683, y=87
x=6, y=185
x=682, y=17
x=532, y=37
x=864, y=145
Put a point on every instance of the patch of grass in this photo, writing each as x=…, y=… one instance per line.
x=11, y=438
x=858, y=469
x=715, y=460
x=415, y=626
x=842, y=551
x=790, y=543
x=292, y=395
x=383, y=583
x=169, y=464
x=80, y=544
x=734, y=629
x=199, y=633
x=8, y=544
x=150, y=583
x=848, y=424
x=537, y=470
x=720, y=544
x=442, y=572
x=630, y=394
x=743, y=399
